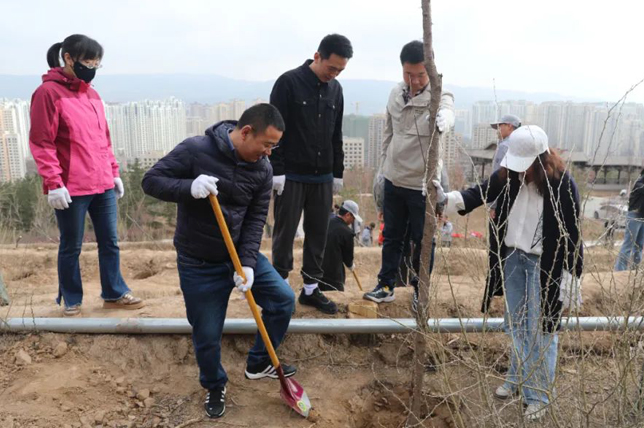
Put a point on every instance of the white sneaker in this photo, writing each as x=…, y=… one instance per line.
x=503, y=393
x=534, y=412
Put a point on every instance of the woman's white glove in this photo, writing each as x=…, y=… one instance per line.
x=119, y=189
x=570, y=291
x=203, y=186
x=59, y=199
x=242, y=286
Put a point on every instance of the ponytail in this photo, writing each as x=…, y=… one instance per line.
x=53, y=55
x=77, y=46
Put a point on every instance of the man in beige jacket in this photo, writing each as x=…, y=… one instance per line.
x=403, y=161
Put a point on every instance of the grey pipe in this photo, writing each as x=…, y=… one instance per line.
x=300, y=325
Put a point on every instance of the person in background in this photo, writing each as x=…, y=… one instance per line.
x=366, y=238
x=506, y=126
x=309, y=164
x=339, y=247
x=630, y=255
x=70, y=143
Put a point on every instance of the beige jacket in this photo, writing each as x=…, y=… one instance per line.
x=403, y=153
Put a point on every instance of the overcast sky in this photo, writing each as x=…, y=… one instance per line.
x=586, y=49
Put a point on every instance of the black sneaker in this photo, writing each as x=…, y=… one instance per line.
x=318, y=301
x=266, y=369
x=380, y=294
x=215, y=404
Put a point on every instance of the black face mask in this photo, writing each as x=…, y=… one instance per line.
x=83, y=72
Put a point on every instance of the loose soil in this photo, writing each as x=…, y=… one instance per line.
x=65, y=380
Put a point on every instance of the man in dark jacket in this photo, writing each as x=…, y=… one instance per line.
x=630, y=255
x=229, y=161
x=308, y=165
x=339, y=247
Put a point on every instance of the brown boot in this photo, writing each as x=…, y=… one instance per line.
x=128, y=301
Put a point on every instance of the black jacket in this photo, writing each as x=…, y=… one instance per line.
x=312, y=111
x=636, y=198
x=562, y=246
x=337, y=254
x=244, y=195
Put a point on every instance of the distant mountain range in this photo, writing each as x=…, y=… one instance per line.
x=371, y=95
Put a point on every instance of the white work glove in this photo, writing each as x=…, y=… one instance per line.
x=445, y=119
x=242, y=286
x=203, y=186
x=278, y=184
x=570, y=291
x=118, y=188
x=337, y=185
x=440, y=193
x=59, y=199
x=352, y=267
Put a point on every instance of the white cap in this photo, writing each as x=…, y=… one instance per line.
x=353, y=208
x=524, y=145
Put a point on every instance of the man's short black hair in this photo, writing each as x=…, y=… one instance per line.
x=342, y=212
x=261, y=116
x=412, y=53
x=335, y=44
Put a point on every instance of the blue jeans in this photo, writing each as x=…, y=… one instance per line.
x=633, y=243
x=206, y=289
x=404, y=214
x=71, y=224
x=534, y=352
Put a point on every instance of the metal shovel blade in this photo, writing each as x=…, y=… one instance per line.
x=294, y=395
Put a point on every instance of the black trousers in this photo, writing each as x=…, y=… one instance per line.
x=314, y=200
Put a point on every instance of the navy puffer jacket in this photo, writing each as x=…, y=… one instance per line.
x=244, y=195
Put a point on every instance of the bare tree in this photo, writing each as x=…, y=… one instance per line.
x=436, y=86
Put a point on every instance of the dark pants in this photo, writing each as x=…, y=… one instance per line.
x=71, y=224
x=206, y=290
x=409, y=268
x=404, y=213
x=315, y=200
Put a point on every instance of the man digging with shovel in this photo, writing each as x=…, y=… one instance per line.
x=229, y=161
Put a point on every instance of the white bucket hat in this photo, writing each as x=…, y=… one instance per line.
x=524, y=145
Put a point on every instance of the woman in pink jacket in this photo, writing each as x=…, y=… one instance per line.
x=71, y=145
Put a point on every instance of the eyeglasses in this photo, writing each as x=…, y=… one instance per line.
x=90, y=66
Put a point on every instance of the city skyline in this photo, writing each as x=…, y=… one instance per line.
x=147, y=130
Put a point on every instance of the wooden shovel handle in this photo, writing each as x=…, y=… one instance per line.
x=355, y=275
x=238, y=268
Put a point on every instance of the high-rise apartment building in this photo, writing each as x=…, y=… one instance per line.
x=12, y=157
x=14, y=119
x=146, y=126
x=373, y=148
x=452, y=145
x=482, y=135
x=353, y=152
